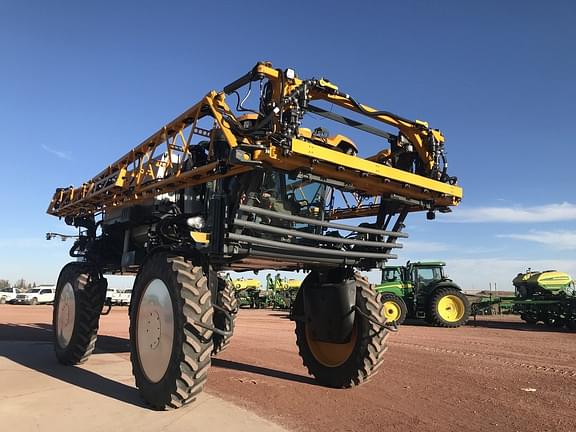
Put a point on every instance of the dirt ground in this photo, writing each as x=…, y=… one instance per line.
x=495, y=374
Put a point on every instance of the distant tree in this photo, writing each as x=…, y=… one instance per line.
x=21, y=284
x=4, y=283
x=34, y=285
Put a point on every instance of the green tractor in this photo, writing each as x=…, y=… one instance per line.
x=422, y=290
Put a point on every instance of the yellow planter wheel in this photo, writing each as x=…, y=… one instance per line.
x=448, y=307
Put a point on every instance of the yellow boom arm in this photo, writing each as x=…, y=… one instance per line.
x=160, y=164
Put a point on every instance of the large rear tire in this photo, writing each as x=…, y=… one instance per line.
x=226, y=300
x=395, y=309
x=448, y=307
x=170, y=346
x=78, y=302
x=352, y=363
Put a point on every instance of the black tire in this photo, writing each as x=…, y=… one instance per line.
x=434, y=315
x=2, y=300
x=399, y=303
x=189, y=360
x=367, y=350
x=528, y=319
x=227, y=300
x=89, y=293
x=34, y=301
x=571, y=318
x=555, y=321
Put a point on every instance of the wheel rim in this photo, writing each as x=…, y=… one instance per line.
x=155, y=330
x=451, y=308
x=66, y=315
x=331, y=354
x=392, y=311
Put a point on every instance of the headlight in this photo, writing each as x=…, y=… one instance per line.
x=196, y=222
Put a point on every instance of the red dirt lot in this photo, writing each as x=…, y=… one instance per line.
x=499, y=374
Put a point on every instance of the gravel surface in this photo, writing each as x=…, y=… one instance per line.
x=495, y=374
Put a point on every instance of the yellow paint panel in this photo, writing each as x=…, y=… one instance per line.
x=200, y=237
x=373, y=168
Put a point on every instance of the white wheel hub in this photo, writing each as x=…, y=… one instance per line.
x=66, y=315
x=155, y=330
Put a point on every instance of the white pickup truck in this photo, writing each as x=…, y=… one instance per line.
x=40, y=295
x=113, y=296
x=125, y=296
x=8, y=295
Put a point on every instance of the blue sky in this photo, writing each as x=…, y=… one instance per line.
x=83, y=82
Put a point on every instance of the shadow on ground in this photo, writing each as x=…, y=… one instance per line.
x=274, y=373
x=280, y=314
x=31, y=346
x=517, y=325
x=495, y=324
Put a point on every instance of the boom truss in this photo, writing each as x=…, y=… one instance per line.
x=410, y=169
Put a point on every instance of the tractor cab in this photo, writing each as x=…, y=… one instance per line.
x=426, y=274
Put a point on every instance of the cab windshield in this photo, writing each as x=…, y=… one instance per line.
x=299, y=197
x=429, y=274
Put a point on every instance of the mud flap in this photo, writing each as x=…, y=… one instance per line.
x=329, y=310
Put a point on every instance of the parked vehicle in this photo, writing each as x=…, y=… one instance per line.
x=218, y=190
x=8, y=295
x=548, y=296
x=124, y=296
x=40, y=295
x=114, y=296
x=422, y=290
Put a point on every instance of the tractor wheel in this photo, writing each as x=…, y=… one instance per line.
x=528, y=319
x=555, y=321
x=77, y=305
x=352, y=363
x=571, y=319
x=448, y=307
x=170, y=337
x=394, y=308
x=226, y=300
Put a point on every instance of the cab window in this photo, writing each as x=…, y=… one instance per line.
x=391, y=275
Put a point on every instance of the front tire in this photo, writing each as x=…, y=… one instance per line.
x=78, y=302
x=448, y=307
x=395, y=309
x=170, y=351
x=352, y=363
